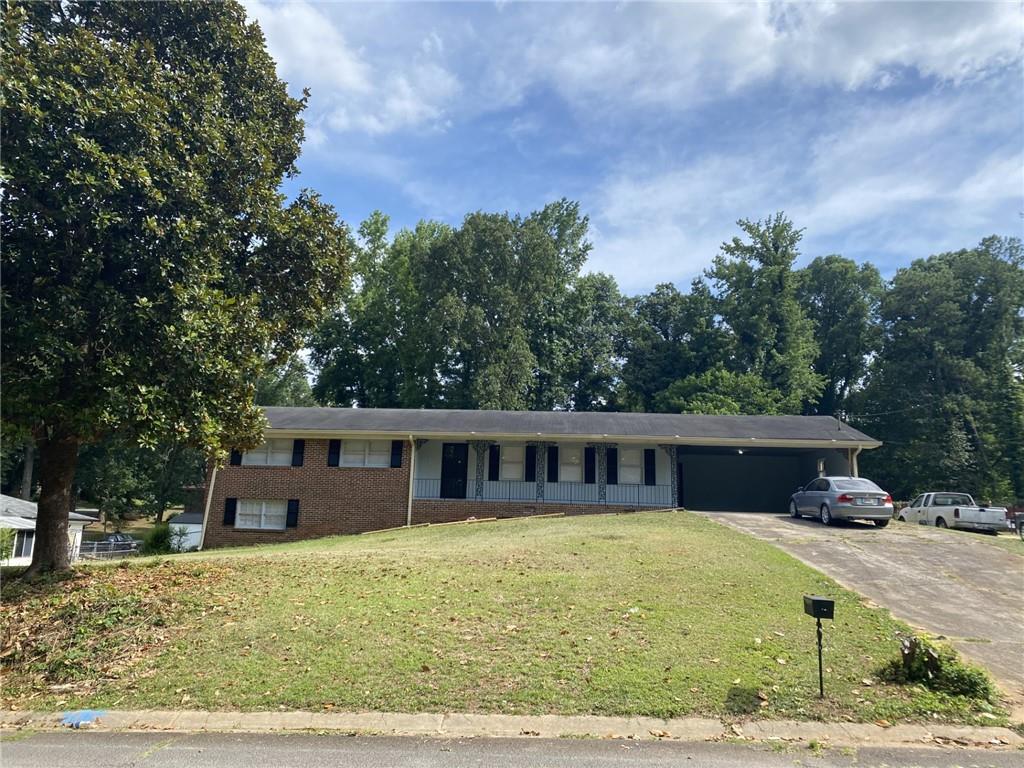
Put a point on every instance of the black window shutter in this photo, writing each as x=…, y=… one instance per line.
x=230, y=505
x=649, y=476
x=333, y=453
x=552, y=463
x=613, y=466
x=493, y=462
x=589, y=465
x=396, y=453
x=293, y=514
x=298, y=452
x=236, y=458
x=531, y=463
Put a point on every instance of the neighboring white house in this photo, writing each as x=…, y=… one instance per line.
x=186, y=531
x=20, y=515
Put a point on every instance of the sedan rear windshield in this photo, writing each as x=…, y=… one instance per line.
x=856, y=484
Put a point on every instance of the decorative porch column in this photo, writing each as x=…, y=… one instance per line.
x=480, y=447
x=540, y=466
x=601, y=453
x=673, y=459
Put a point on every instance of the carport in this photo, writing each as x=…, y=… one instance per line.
x=719, y=479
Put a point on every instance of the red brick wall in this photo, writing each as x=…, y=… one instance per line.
x=448, y=510
x=332, y=500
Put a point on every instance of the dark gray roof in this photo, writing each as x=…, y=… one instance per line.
x=11, y=505
x=666, y=426
x=187, y=518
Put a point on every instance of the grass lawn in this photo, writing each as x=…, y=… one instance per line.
x=663, y=614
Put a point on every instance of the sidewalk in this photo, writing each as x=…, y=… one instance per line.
x=548, y=726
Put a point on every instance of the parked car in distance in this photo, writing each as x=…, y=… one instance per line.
x=842, y=498
x=953, y=510
x=121, y=541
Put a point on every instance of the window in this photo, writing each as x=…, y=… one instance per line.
x=917, y=502
x=856, y=484
x=571, y=464
x=631, y=466
x=512, y=462
x=953, y=500
x=275, y=453
x=23, y=541
x=821, y=485
x=366, y=453
x=256, y=513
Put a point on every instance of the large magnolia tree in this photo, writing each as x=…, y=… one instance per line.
x=152, y=268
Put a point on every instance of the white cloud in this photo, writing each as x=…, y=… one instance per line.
x=874, y=181
x=355, y=88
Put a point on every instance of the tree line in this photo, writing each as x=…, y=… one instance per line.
x=498, y=312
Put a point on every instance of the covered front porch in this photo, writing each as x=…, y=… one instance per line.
x=631, y=475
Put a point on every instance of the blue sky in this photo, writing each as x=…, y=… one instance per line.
x=889, y=131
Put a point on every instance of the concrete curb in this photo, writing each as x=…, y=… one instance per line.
x=455, y=725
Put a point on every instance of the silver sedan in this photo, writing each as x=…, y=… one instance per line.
x=842, y=498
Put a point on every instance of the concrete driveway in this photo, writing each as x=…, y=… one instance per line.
x=951, y=583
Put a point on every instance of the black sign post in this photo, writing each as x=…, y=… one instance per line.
x=820, y=608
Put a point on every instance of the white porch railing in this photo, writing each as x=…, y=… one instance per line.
x=559, y=493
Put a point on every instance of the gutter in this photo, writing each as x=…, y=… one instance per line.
x=412, y=480
x=206, y=509
x=727, y=442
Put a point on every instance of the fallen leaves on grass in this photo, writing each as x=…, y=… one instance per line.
x=74, y=634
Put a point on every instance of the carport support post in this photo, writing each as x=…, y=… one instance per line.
x=821, y=668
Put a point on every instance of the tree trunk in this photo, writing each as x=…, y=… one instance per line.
x=58, y=457
x=25, y=491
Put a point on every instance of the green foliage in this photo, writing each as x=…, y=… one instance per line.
x=473, y=317
x=756, y=292
x=158, y=541
x=6, y=544
x=945, y=391
x=719, y=391
x=152, y=266
x=940, y=669
x=146, y=289
x=285, y=385
x=841, y=299
x=123, y=478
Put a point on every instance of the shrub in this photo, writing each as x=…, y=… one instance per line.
x=938, y=668
x=158, y=540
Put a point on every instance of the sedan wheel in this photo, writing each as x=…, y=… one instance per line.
x=826, y=514
x=793, y=511
x=881, y=523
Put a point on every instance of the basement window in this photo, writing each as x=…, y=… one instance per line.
x=261, y=514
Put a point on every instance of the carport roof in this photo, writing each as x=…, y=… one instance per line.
x=664, y=427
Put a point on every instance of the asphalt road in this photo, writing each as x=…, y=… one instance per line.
x=951, y=583
x=72, y=749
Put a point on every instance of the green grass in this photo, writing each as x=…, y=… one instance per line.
x=663, y=614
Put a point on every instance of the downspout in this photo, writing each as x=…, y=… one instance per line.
x=412, y=480
x=853, y=460
x=206, y=509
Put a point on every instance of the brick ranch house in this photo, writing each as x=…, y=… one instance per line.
x=327, y=471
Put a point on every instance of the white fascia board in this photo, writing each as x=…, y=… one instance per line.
x=716, y=442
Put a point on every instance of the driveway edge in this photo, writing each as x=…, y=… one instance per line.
x=457, y=725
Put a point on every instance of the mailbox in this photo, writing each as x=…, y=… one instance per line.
x=819, y=607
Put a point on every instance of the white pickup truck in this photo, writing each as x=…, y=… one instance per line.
x=953, y=510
